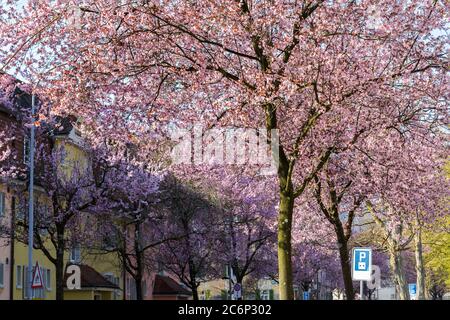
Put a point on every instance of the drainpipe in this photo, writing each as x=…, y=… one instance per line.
x=11, y=253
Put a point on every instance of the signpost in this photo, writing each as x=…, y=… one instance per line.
x=412, y=290
x=305, y=295
x=362, y=266
x=237, y=291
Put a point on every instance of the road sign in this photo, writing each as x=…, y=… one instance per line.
x=412, y=290
x=362, y=264
x=37, y=277
x=305, y=295
x=237, y=291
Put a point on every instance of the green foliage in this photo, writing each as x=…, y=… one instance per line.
x=224, y=294
x=437, y=254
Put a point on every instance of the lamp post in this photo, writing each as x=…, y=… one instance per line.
x=31, y=202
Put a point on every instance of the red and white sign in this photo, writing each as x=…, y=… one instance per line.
x=37, y=277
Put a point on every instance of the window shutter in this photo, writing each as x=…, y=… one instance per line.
x=2, y=204
x=2, y=274
x=48, y=284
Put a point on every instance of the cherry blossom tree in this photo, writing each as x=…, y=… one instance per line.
x=315, y=249
x=244, y=221
x=409, y=194
x=303, y=68
x=129, y=218
x=192, y=259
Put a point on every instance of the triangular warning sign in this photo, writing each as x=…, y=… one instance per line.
x=37, y=277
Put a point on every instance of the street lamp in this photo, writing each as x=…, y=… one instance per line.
x=31, y=202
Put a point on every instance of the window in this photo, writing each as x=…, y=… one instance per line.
x=75, y=254
x=2, y=274
x=43, y=232
x=111, y=278
x=160, y=268
x=296, y=294
x=2, y=204
x=227, y=272
x=144, y=288
x=19, y=277
x=46, y=275
x=26, y=281
x=49, y=280
x=77, y=132
x=131, y=289
x=109, y=242
x=265, y=295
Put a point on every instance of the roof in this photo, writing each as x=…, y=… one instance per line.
x=167, y=286
x=90, y=278
x=19, y=102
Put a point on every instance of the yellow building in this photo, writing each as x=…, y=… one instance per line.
x=101, y=273
x=104, y=268
x=14, y=253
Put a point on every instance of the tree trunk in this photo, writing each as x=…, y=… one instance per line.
x=240, y=281
x=194, y=293
x=284, y=246
x=420, y=270
x=396, y=262
x=59, y=265
x=285, y=210
x=346, y=268
x=138, y=277
x=193, y=278
x=139, y=262
x=138, y=285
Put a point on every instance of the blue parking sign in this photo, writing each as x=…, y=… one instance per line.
x=362, y=260
x=412, y=289
x=362, y=264
x=305, y=295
